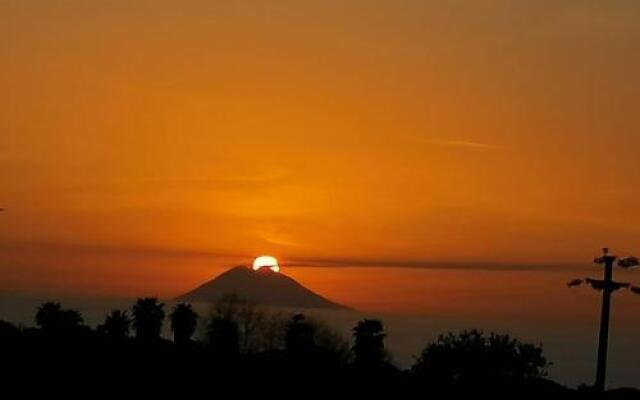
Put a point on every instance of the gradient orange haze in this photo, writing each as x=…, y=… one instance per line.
x=466, y=133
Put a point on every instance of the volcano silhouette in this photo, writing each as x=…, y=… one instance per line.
x=262, y=286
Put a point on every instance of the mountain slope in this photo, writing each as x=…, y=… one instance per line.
x=263, y=286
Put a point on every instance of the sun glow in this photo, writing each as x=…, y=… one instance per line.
x=266, y=261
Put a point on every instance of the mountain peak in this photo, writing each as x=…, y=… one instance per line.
x=263, y=286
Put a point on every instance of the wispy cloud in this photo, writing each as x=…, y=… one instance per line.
x=231, y=258
x=464, y=143
x=425, y=264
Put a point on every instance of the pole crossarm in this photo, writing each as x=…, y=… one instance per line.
x=610, y=286
x=599, y=284
x=628, y=262
x=607, y=286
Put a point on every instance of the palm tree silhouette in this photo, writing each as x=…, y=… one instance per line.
x=148, y=316
x=116, y=325
x=183, y=323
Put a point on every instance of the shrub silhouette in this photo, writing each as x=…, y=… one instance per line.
x=471, y=356
x=54, y=320
x=148, y=316
x=183, y=323
x=9, y=334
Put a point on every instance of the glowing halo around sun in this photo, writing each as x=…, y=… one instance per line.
x=266, y=262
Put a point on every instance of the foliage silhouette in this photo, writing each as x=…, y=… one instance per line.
x=9, y=333
x=116, y=325
x=300, y=351
x=299, y=335
x=471, y=357
x=183, y=323
x=148, y=317
x=249, y=321
x=55, y=320
x=368, y=347
x=223, y=337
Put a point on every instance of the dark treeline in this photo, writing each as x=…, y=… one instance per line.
x=267, y=351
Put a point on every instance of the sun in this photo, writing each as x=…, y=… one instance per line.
x=266, y=261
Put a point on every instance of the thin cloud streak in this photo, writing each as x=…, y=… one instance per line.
x=302, y=262
x=424, y=264
x=464, y=143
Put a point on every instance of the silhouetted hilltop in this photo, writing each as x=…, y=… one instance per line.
x=263, y=287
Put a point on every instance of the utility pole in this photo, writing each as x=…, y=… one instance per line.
x=605, y=316
x=607, y=286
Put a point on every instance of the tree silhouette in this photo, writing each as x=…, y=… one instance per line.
x=116, y=325
x=250, y=321
x=470, y=356
x=311, y=346
x=368, y=347
x=307, y=352
x=183, y=323
x=333, y=343
x=9, y=333
x=271, y=332
x=223, y=337
x=148, y=316
x=53, y=319
x=299, y=336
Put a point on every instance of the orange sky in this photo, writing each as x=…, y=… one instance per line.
x=366, y=132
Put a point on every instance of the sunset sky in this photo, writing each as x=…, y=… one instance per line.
x=147, y=141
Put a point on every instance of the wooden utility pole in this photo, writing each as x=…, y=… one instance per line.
x=603, y=339
x=607, y=286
